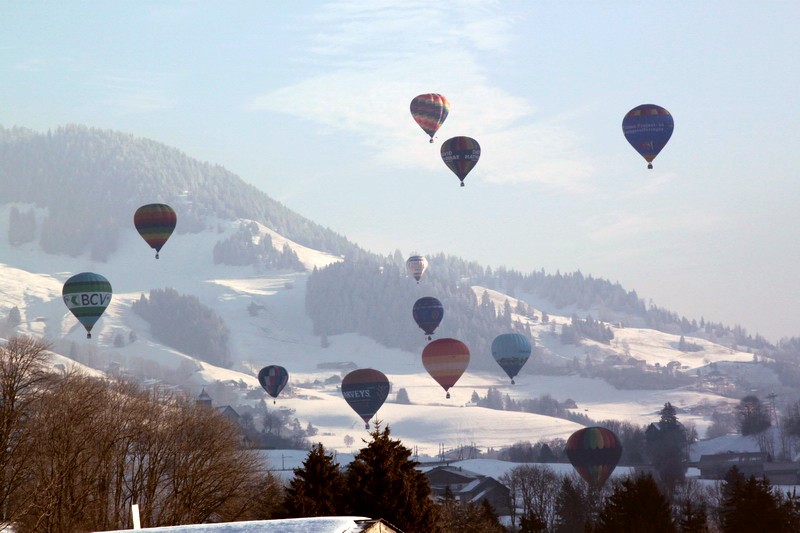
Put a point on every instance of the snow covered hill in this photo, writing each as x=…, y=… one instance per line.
x=281, y=333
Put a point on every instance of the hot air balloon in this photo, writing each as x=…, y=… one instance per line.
x=594, y=452
x=273, y=378
x=461, y=154
x=416, y=266
x=87, y=295
x=430, y=110
x=511, y=351
x=445, y=360
x=155, y=223
x=428, y=313
x=648, y=127
x=365, y=390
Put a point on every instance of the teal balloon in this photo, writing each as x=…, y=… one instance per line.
x=511, y=351
x=87, y=295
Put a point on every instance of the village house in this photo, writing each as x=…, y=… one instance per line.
x=468, y=486
x=758, y=464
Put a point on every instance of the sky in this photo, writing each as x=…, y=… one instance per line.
x=309, y=101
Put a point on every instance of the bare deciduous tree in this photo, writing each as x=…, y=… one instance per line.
x=98, y=446
x=23, y=361
x=533, y=491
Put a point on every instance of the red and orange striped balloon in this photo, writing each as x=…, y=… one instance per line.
x=445, y=360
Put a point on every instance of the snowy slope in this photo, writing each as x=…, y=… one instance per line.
x=281, y=333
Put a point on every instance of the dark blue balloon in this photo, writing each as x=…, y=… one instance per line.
x=365, y=390
x=428, y=313
x=648, y=127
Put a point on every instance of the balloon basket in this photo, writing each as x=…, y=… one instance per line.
x=650, y=166
x=156, y=255
x=88, y=335
x=462, y=183
x=366, y=426
x=512, y=382
x=448, y=396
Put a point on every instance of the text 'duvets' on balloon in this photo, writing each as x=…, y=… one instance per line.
x=365, y=390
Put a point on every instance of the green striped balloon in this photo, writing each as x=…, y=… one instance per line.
x=87, y=295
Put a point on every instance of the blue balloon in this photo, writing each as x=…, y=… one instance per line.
x=428, y=313
x=511, y=351
x=365, y=390
x=648, y=127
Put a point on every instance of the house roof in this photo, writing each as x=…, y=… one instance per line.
x=737, y=457
x=324, y=524
x=457, y=471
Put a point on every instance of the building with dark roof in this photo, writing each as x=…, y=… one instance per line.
x=467, y=486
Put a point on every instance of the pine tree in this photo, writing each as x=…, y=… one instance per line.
x=571, y=507
x=636, y=505
x=750, y=505
x=531, y=523
x=14, y=317
x=693, y=517
x=402, y=397
x=667, y=447
x=317, y=488
x=546, y=454
x=383, y=482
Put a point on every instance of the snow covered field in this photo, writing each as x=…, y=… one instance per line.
x=282, y=334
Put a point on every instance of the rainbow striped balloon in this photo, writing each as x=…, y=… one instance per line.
x=430, y=111
x=155, y=223
x=594, y=452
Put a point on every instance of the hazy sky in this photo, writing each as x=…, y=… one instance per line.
x=309, y=102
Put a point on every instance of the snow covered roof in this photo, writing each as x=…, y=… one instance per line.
x=324, y=524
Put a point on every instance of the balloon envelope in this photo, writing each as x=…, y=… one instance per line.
x=155, y=223
x=428, y=313
x=461, y=154
x=511, y=351
x=648, y=127
x=429, y=111
x=87, y=295
x=594, y=452
x=445, y=360
x=273, y=378
x=365, y=390
x=416, y=265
